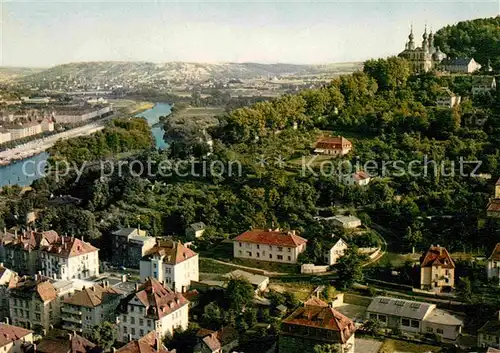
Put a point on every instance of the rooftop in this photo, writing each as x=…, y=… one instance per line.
x=173, y=252
x=60, y=341
x=9, y=333
x=444, y=318
x=146, y=344
x=271, y=237
x=495, y=255
x=94, y=296
x=250, y=277
x=437, y=256
x=40, y=287
x=400, y=307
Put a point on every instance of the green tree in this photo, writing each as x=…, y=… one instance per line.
x=103, y=335
x=328, y=348
x=464, y=290
x=350, y=267
x=239, y=293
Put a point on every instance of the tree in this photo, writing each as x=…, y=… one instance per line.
x=350, y=267
x=413, y=237
x=103, y=335
x=372, y=327
x=464, y=290
x=239, y=293
x=328, y=348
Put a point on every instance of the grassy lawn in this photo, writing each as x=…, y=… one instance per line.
x=398, y=260
x=302, y=290
x=222, y=251
x=210, y=266
x=390, y=346
x=195, y=112
x=267, y=266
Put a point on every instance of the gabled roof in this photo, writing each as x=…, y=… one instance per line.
x=173, y=252
x=250, y=277
x=336, y=142
x=59, y=341
x=197, y=226
x=400, y=307
x=68, y=247
x=437, y=256
x=494, y=206
x=215, y=340
x=93, y=297
x=493, y=350
x=128, y=232
x=483, y=80
x=360, y=175
x=146, y=344
x=271, y=237
x=459, y=61
x=495, y=255
x=9, y=333
x=40, y=287
x=491, y=327
x=322, y=317
x=158, y=299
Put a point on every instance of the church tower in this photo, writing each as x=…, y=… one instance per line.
x=411, y=43
x=432, y=49
x=425, y=42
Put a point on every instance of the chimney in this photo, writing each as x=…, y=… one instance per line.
x=124, y=278
x=36, y=277
x=136, y=287
x=62, y=241
x=7, y=320
x=70, y=336
x=44, y=332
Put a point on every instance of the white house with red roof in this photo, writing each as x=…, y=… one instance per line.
x=14, y=339
x=269, y=245
x=152, y=307
x=68, y=258
x=171, y=263
x=360, y=178
x=437, y=270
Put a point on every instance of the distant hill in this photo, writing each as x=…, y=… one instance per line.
x=130, y=72
x=10, y=73
x=478, y=38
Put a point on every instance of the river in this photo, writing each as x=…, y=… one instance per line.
x=24, y=172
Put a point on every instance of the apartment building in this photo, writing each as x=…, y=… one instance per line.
x=130, y=245
x=152, y=307
x=8, y=279
x=60, y=341
x=20, y=130
x=269, y=245
x=69, y=258
x=72, y=115
x=89, y=307
x=171, y=263
x=147, y=344
x=14, y=339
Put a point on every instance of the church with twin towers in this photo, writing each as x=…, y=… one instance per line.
x=425, y=57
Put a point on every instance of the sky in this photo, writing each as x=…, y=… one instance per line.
x=41, y=33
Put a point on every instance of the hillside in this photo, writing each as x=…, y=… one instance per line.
x=147, y=72
x=10, y=73
x=479, y=38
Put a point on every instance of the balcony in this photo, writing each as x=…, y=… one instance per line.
x=70, y=310
x=70, y=327
x=72, y=319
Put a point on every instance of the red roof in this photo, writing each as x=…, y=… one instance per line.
x=68, y=247
x=495, y=255
x=41, y=286
x=437, y=256
x=173, y=252
x=498, y=182
x=158, y=299
x=9, y=334
x=315, y=301
x=494, y=206
x=146, y=344
x=337, y=142
x=271, y=237
x=322, y=317
x=360, y=175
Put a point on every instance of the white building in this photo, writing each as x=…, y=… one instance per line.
x=269, y=245
x=5, y=135
x=447, y=99
x=78, y=114
x=195, y=230
x=14, y=339
x=89, y=307
x=68, y=258
x=360, y=178
x=172, y=263
x=259, y=282
x=152, y=307
x=460, y=65
x=493, y=265
x=483, y=84
x=335, y=251
x=346, y=222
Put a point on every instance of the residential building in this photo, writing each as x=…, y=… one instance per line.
x=414, y=317
x=493, y=265
x=34, y=303
x=220, y=341
x=337, y=146
x=195, y=230
x=493, y=209
x=269, y=245
x=20, y=130
x=311, y=325
x=172, y=263
x=147, y=344
x=69, y=258
x=460, y=65
x=489, y=334
x=423, y=58
x=152, y=307
x=5, y=135
x=447, y=99
x=258, y=282
x=89, y=307
x=346, y=222
x=14, y=339
x=60, y=341
x=130, y=245
x=437, y=270
x=483, y=84
x=8, y=279
x=359, y=178
x=335, y=250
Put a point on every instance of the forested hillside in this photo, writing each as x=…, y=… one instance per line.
x=478, y=38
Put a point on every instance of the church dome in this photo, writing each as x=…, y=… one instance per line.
x=438, y=55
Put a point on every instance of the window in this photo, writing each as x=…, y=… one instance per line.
x=132, y=320
x=270, y=256
x=125, y=329
x=141, y=322
x=124, y=318
x=415, y=324
x=382, y=318
x=280, y=257
x=258, y=254
x=249, y=253
x=280, y=249
x=149, y=322
x=154, y=265
x=155, y=274
x=439, y=330
x=289, y=249
x=132, y=330
x=429, y=329
x=289, y=258
x=141, y=332
x=373, y=316
x=405, y=322
x=258, y=246
x=241, y=245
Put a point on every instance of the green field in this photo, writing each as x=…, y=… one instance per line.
x=392, y=346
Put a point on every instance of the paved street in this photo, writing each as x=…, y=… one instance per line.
x=366, y=346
